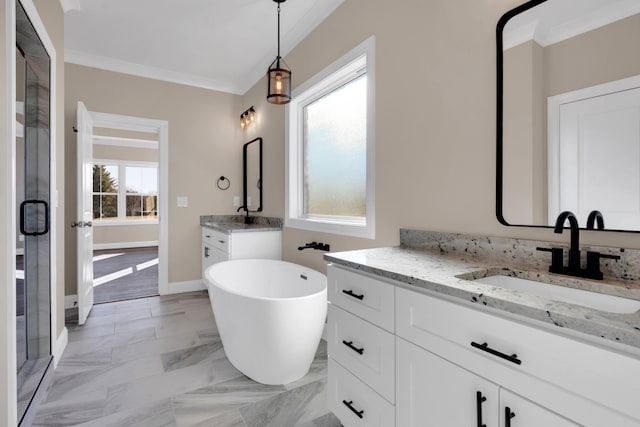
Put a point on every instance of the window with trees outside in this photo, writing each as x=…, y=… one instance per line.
x=125, y=192
x=330, y=148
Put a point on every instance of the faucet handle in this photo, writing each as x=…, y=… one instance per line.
x=593, y=264
x=557, y=259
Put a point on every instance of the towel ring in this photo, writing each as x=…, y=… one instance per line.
x=223, y=183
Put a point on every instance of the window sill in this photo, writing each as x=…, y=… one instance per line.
x=345, y=228
x=109, y=223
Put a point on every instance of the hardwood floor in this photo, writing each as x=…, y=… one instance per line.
x=121, y=274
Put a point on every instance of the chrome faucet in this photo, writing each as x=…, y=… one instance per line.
x=574, y=251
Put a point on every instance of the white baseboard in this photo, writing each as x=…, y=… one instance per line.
x=189, y=286
x=60, y=346
x=124, y=245
x=70, y=301
x=20, y=251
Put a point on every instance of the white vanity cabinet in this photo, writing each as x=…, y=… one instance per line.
x=453, y=360
x=433, y=391
x=218, y=246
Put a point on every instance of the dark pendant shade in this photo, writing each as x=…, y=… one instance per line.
x=279, y=82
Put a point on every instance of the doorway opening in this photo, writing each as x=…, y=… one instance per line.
x=122, y=208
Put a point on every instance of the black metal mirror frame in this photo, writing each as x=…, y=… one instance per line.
x=245, y=205
x=499, y=112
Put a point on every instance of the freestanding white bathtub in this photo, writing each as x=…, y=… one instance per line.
x=270, y=315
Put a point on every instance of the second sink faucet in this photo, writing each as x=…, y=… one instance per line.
x=574, y=250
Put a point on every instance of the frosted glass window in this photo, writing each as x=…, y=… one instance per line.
x=330, y=148
x=335, y=152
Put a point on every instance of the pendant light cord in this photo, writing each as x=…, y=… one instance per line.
x=278, y=34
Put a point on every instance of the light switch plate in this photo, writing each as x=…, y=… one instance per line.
x=182, y=201
x=236, y=201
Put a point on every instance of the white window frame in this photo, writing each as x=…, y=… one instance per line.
x=336, y=74
x=122, y=218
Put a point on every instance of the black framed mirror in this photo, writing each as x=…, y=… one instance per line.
x=568, y=113
x=252, y=176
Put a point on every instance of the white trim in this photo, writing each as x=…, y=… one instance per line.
x=116, y=141
x=125, y=245
x=60, y=346
x=553, y=128
x=117, y=162
x=181, y=287
x=8, y=395
x=120, y=66
x=161, y=127
x=358, y=57
x=124, y=222
x=70, y=301
x=19, y=251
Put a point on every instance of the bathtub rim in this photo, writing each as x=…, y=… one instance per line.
x=212, y=282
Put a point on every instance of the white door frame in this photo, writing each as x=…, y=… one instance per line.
x=553, y=128
x=8, y=395
x=161, y=127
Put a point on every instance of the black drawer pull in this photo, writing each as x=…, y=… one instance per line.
x=479, y=399
x=352, y=347
x=485, y=347
x=354, y=410
x=220, y=241
x=507, y=416
x=351, y=294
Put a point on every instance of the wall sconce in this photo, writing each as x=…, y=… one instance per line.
x=248, y=117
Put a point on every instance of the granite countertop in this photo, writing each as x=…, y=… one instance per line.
x=450, y=274
x=236, y=223
x=239, y=227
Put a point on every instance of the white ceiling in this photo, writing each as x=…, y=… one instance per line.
x=215, y=44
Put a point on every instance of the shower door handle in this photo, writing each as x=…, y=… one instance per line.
x=23, y=214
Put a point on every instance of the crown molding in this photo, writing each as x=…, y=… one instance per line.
x=120, y=66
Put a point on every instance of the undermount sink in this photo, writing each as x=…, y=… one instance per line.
x=598, y=301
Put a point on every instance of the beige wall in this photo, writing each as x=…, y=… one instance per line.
x=599, y=56
x=204, y=143
x=435, y=127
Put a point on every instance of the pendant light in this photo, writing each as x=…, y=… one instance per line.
x=279, y=75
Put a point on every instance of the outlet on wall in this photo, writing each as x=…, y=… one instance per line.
x=248, y=201
x=182, y=201
x=236, y=201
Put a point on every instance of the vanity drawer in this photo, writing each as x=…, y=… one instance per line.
x=354, y=403
x=596, y=373
x=364, y=349
x=215, y=239
x=371, y=299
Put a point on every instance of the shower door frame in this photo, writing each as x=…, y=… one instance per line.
x=8, y=383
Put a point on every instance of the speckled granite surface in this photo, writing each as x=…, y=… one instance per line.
x=235, y=223
x=445, y=263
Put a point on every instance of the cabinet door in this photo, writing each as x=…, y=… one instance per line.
x=433, y=392
x=211, y=255
x=516, y=411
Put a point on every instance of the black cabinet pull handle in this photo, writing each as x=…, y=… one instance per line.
x=351, y=294
x=485, y=347
x=206, y=252
x=220, y=241
x=479, y=399
x=354, y=410
x=352, y=347
x=507, y=416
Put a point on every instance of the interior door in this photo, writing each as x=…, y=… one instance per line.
x=85, y=212
x=599, y=159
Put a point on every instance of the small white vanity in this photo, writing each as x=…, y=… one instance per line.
x=225, y=239
x=413, y=341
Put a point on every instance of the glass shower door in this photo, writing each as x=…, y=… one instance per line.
x=33, y=196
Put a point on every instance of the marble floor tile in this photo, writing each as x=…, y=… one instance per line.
x=159, y=362
x=297, y=407
x=214, y=369
x=158, y=414
x=208, y=402
x=190, y=356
